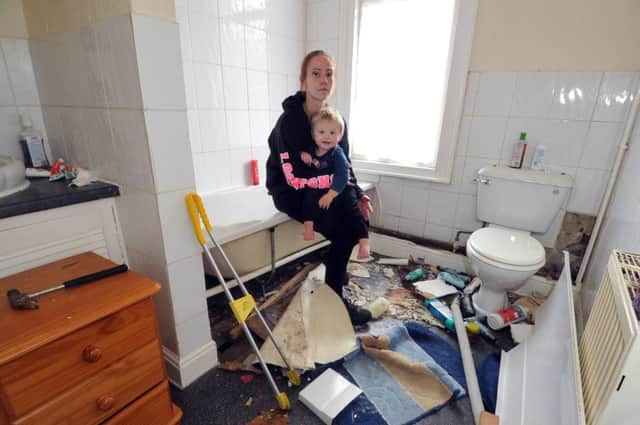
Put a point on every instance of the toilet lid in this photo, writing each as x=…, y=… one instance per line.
x=506, y=246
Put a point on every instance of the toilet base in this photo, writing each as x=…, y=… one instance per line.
x=487, y=301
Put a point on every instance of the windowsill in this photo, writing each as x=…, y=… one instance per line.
x=404, y=172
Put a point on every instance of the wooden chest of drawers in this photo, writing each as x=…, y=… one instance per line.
x=89, y=355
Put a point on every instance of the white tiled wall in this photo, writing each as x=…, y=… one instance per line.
x=621, y=226
x=240, y=60
x=18, y=95
x=577, y=116
x=114, y=102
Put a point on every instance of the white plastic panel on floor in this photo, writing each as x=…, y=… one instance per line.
x=540, y=378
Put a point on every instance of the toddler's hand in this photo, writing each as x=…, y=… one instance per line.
x=306, y=158
x=326, y=199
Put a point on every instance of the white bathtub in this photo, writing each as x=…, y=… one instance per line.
x=242, y=220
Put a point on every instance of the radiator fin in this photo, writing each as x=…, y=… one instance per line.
x=610, y=331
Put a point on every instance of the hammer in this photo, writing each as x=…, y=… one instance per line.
x=20, y=301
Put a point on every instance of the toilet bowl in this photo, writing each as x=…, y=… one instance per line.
x=504, y=259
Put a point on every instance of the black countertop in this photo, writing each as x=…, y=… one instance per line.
x=43, y=195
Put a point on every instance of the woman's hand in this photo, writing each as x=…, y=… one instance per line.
x=327, y=198
x=364, y=205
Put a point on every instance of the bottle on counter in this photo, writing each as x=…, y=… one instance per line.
x=32, y=144
x=537, y=163
x=519, y=150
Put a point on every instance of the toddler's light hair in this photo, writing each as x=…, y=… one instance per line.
x=327, y=114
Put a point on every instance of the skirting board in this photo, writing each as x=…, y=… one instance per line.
x=402, y=248
x=182, y=371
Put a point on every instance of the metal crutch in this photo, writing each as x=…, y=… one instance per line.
x=243, y=306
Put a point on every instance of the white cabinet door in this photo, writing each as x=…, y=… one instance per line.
x=30, y=240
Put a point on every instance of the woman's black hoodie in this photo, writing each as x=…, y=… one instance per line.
x=291, y=136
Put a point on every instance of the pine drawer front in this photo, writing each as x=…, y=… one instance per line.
x=68, y=362
x=103, y=394
x=154, y=407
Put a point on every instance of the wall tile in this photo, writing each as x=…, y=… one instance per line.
x=231, y=9
x=466, y=213
x=240, y=169
x=601, y=145
x=442, y=208
x=102, y=151
x=391, y=194
x=414, y=203
x=564, y=142
x=277, y=91
x=55, y=132
x=238, y=129
x=205, y=38
x=533, y=94
x=189, y=85
x=118, y=63
x=410, y=226
x=177, y=230
x=9, y=129
x=495, y=93
x=159, y=63
x=6, y=94
x=204, y=7
x=20, y=70
x=463, y=136
x=232, y=44
x=437, y=232
x=140, y=220
x=130, y=141
x=260, y=128
x=213, y=129
x=486, y=136
x=258, y=90
x=81, y=69
x=574, y=95
x=588, y=191
x=208, y=83
x=193, y=333
x=390, y=222
x=616, y=94
x=256, y=44
x=170, y=150
x=473, y=81
x=182, y=18
x=235, y=88
x=186, y=282
x=194, y=131
x=74, y=129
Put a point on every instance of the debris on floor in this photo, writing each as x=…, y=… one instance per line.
x=270, y=417
x=358, y=270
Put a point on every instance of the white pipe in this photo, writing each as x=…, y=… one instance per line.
x=467, y=362
x=604, y=204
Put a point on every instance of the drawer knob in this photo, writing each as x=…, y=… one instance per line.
x=105, y=402
x=91, y=354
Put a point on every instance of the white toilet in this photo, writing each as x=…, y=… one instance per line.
x=513, y=203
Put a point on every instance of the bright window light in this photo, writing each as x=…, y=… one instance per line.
x=400, y=80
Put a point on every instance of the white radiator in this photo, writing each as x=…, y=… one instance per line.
x=609, y=348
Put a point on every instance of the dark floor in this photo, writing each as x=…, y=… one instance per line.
x=221, y=397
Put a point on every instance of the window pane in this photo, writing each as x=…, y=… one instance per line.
x=400, y=80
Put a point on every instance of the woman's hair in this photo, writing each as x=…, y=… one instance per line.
x=327, y=114
x=307, y=59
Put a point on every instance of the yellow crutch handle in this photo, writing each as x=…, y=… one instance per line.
x=192, y=201
x=203, y=212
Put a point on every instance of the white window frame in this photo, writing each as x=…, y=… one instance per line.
x=461, y=41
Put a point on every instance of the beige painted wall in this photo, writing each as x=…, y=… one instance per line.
x=49, y=17
x=12, y=23
x=557, y=35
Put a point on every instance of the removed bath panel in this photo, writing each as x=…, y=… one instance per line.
x=315, y=328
